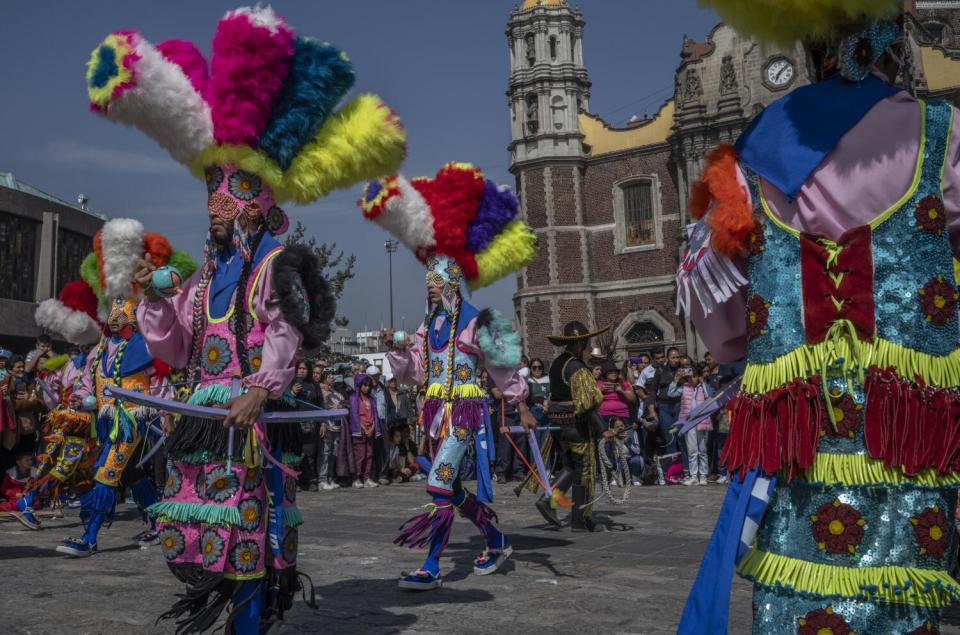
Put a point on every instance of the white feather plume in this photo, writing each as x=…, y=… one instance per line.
x=164, y=105
x=76, y=326
x=259, y=16
x=408, y=217
x=122, y=245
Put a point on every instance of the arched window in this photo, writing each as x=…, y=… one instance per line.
x=531, y=49
x=643, y=333
x=553, y=47
x=638, y=213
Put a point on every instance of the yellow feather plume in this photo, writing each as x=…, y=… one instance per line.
x=786, y=21
x=512, y=249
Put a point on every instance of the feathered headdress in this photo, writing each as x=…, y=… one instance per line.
x=457, y=216
x=117, y=246
x=73, y=314
x=786, y=21
x=260, y=123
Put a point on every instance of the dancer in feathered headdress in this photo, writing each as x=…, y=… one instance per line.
x=837, y=203
x=120, y=359
x=465, y=228
x=68, y=448
x=260, y=123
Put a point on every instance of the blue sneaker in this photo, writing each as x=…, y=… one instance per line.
x=420, y=580
x=27, y=519
x=77, y=547
x=491, y=559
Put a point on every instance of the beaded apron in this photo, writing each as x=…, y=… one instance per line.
x=850, y=396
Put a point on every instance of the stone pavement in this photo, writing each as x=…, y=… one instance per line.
x=631, y=579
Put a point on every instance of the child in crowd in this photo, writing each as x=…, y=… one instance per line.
x=403, y=456
x=693, y=392
x=364, y=429
x=13, y=485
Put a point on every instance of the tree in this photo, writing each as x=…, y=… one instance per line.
x=335, y=266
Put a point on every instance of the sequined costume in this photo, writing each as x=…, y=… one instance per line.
x=845, y=435
x=465, y=228
x=261, y=122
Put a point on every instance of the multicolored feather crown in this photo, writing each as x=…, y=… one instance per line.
x=116, y=249
x=786, y=21
x=73, y=314
x=265, y=105
x=458, y=214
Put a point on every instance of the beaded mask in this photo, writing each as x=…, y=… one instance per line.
x=123, y=312
x=444, y=272
x=860, y=51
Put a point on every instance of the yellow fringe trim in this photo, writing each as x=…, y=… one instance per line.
x=463, y=391
x=807, y=360
x=896, y=585
x=860, y=469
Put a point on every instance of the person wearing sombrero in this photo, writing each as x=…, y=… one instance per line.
x=574, y=399
x=824, y=256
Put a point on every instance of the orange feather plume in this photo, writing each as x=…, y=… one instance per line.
x=731, y=220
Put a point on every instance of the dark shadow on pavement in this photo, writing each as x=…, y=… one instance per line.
x=15, y=553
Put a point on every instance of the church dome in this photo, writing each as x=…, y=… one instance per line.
x=533, y=4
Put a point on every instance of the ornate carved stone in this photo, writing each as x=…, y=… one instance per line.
x=728, y=76
x=692, y=88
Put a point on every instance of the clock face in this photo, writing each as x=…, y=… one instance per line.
x=779, y=72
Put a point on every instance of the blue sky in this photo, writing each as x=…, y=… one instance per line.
x=442, y=65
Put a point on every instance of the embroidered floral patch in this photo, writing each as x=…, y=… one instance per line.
x=245, y=555
x=930, y=215
x=758, y=312
x=931, y=531
x=255, y=357
x=215, y=355
x=823, y=622
x=290, y=489
x=290, y=546
x=253, y=479
x=436, y=368
x=463, y=373
x=276, y=220
x=461, y=433
x=454, y=271
x=221, y=485
x=214, y=177
x=172, y=542
x=938, y=300
x=211, y=547
x=244, y=185
x=174, y=482
x=251, y=512
x=847, y=414
x=445, y=473
x=837, y=527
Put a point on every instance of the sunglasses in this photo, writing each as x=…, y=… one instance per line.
x=537, y=367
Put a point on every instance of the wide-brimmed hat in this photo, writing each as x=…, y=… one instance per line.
x=575, y=331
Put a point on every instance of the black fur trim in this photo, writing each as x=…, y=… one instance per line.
x=294, y=265
x=485, y=318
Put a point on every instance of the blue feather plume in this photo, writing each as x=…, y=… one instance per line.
x=497, y=208
x=320, y=75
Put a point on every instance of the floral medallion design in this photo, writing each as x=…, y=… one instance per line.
x=172, y=542
x=174, y=482
x=216, y=355
x=290, y=489
x=244, y=185
x=847, y=415
x=211, y=547
x=214, y=177
x=445, y=473
x=276, y=220
x=454, y=271
x=461, y=433
x=245, y=555
x=938, y=300
x=221, y=485
x=756, y=241
x=930, y=215
x=436, y=368
x=119, y=458
x=290, y=545
x=253, y=479
x=463, y=373
x=758, y=312
x=109, y=474
x=255, y=357
x=823, y=622
x=251, y=512
x=837, y=527
x=931, y=530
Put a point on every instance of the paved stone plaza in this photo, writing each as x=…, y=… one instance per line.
x=631, y=579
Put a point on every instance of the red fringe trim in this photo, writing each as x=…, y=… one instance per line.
x=777, y=430
x=911, y=425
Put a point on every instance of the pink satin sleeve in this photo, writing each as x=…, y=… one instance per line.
x=507, y=378
x=407, y=364
x=282, y=340
x=951, y=185
x=167, y=326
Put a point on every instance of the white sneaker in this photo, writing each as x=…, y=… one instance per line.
x=660, y=481
x=636, y=483
x=416, y=477
x=370, y=483
x=357, y=485
x=613, y=482
x=690, y=480
x=723, y=480
x=703, y=481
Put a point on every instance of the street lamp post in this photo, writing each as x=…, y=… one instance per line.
x=391, y=247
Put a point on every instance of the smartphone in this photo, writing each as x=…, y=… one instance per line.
x=686, y=371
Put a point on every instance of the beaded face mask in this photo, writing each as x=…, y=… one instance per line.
x=444, y=272
x=861, y=51
x=123, y=316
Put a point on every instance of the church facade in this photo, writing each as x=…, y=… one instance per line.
x=609, y=204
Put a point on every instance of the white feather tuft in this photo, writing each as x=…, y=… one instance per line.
x=164, y=105
x=259, y=16
x=122, y=246
x=408, y=217
x=76, y=326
